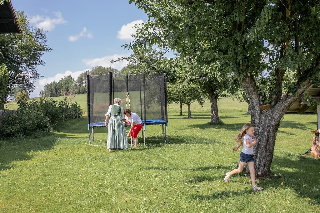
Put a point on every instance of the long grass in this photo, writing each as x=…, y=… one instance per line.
x=60, y=172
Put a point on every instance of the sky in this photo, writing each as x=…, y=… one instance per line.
x=82, y=34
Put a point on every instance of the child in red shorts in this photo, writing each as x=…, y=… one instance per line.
x=136, y=125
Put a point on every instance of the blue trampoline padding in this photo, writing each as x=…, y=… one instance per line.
x=97, y=124
x=153, y=122
x=148, y=122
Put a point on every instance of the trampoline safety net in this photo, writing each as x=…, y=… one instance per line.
x=141, y=93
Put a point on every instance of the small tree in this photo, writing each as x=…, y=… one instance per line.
x=22, y=96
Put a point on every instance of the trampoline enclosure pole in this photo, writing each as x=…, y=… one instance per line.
x=144, y=105
x=88, y=105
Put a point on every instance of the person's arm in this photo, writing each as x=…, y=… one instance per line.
x=106, y=120
x=251, y=144
x=107, y=115
x=131, y=127
x=237, y=147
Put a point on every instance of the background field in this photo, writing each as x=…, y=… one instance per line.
x=60, y=172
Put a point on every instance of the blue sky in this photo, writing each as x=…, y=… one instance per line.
x=82, y=34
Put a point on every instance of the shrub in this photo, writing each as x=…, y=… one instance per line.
x=36, y=116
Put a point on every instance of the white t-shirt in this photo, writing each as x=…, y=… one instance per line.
x=134, y=118
x=109, y=111
x=246, y=150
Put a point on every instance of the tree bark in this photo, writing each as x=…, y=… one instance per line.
x=180, y=108
x=214, y=110
x=189, y=111
x=213, y=103
x=266, y=128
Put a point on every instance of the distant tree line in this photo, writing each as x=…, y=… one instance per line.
x=69, y=86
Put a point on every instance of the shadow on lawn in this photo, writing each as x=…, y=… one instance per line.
x=238, y=126
x=191, y=140
x=17, y=149
x=201, y=116
x=302, y=176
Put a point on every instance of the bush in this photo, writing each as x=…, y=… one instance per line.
x=36, y=116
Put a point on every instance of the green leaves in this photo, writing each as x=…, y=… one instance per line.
x=21, y=53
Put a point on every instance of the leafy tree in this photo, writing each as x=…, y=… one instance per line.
x=21, y=54
x=22, y=96
x=67, y=86
x=184, y=92
x=182, y=87
x=256, y=42
x=99, y=70
x=4, y=81
x=152, y=37
x=52, y=90
x=81, y=83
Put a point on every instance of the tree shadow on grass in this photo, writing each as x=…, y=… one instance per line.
x=205, y=168
x=300, y=175
x=201, y=116
x=17, y=149
x=238, y=126
x=191, y=140
x=232, y=127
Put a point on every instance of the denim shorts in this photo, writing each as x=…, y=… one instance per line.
x=246, y=157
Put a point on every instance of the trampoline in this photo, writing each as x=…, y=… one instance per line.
x=143, y=94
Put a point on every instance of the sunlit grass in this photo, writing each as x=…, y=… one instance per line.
x=60, y=172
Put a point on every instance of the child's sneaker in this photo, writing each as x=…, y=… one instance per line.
x=256, y=188
x=226, y=178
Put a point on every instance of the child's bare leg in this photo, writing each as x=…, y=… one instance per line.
x=238, y=170
x=252, y=173
x=135, y=142
x=253, y=177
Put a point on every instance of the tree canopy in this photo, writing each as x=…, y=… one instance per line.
x=21, y=54
x=271, y=47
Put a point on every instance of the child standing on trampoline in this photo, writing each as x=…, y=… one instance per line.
x=245, y=138
x=136, y=125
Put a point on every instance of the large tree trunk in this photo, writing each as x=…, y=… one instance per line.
x=214, y=110
x=213, y=103
x=267, y=122
x=266, y=127
x=189, y=111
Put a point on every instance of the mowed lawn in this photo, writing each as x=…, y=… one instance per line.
x=61, y=172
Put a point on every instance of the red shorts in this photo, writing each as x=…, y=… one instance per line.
x=135, y=130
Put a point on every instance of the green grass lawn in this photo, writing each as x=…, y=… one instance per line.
x=60, y=172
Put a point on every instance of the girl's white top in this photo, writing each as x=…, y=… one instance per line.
x=246, y=150
x=134, y=118
x=109, y=111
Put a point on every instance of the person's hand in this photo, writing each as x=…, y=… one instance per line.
x=255, y=140
x=128, y=135
x=235, y=148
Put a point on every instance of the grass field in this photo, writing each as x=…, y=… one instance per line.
x=60, y=172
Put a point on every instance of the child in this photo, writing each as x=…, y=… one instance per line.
x=136, y=125
x=246, y=156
